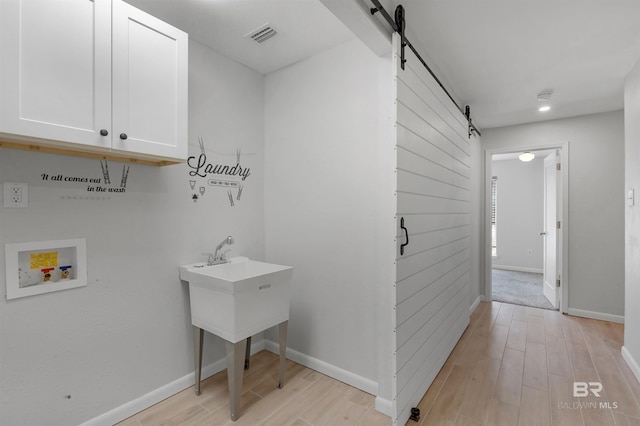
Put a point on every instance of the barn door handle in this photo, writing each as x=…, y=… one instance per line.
x=406, y=236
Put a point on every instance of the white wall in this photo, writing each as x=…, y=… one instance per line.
x=520, y=212
x=596, y=215
x=325, y=179
x=128, y=332
x=631, y=349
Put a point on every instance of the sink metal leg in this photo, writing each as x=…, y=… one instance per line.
x=198, y=335
x=247, y=354
x=282, y=331
x=235, y=371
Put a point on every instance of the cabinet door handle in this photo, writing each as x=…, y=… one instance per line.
x=406, y=236
x=123, y=136
x=104, y=132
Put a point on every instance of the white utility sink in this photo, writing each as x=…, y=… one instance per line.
x=233, y=277
x=235, y=301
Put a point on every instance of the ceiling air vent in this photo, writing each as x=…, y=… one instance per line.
x=262, y=34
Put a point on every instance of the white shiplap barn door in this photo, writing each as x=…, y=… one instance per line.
x=433, y=196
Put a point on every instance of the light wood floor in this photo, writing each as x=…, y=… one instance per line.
x=307, y=398
x=514, y=365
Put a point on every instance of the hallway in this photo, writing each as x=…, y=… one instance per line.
x=517, y=365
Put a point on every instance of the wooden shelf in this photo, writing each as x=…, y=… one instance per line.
x=30, y=146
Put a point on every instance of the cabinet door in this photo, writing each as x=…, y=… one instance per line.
x=149, y=84
x=55, y=70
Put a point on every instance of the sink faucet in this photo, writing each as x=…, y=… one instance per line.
x=219, y=256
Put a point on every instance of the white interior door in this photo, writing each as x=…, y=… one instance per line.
x=550, y=274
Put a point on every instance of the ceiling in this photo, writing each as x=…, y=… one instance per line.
x=497, y=55
x=305, y=27
x=494, y=55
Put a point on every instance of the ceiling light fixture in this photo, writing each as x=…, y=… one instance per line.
x=544, y=96
x=526, y=156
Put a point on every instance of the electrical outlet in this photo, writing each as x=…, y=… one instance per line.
x=16, y=195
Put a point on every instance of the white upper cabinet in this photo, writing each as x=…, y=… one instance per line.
x=56, y=70
x=97, y=76
x=149, y=84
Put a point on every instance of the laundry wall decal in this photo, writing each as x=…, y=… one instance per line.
x=102, y=183
x=200, y=167
x=217, y=173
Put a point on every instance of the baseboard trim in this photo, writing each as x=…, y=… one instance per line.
x=631, y=362
x=330, y=370
x=127, y=410
x=596, y=315
x=475, y=304
x=145, y=401
x=385, y=406
x=517, y=269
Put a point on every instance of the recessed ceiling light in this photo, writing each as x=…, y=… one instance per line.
x=544, y=108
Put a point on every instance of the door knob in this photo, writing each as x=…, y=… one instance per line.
x=123, y=136
x=104, y=132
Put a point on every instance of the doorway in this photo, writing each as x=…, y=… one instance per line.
x=525, y=247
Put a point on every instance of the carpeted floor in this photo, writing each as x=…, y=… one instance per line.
x=520, y=288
